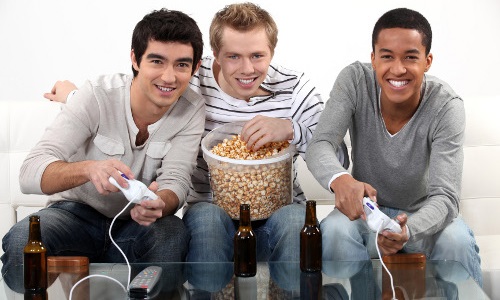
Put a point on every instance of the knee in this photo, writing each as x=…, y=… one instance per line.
x=202, y=218
x=451, y=242
x=337, y=225
x=342, y=239
x=170, y=237
x=289, y=215
x=172, y=229
x=203, y=211
x=12, y=244
x=15, y=240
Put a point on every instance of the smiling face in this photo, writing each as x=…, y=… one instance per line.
x=163, y=75
x=400, y=63
x=244, y=58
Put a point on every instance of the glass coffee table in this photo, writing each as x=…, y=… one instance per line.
x=284, y=280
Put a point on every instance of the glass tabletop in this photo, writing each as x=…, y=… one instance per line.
x=274, y=280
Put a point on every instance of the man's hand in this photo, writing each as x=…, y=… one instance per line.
x=390, y=242
x=60, y=91
x=349, y=195
x=61, y=176
x=148, y=211
x=99, y=172
x=261, y=130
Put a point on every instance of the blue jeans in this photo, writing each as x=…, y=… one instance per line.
x=212, y=232
x=345, y=240
x=76, y=229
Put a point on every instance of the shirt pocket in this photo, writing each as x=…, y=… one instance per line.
x=108, y=147
x=154, y=156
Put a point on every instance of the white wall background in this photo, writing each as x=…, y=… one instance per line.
x=49, y=40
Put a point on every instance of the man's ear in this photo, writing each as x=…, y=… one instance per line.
x=215, y=56
x=135, y=65
x=197, y=67
x=428, y=61
x=373, y=60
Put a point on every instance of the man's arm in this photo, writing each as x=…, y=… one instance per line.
x=321, y=153
x=445, y=173
x=47, y=169
x=60, y=91
x=61, y=176
x=305, y=111
x=174, y=174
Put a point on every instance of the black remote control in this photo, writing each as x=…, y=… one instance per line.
x=144, y=282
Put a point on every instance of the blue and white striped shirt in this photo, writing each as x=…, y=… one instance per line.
x=292, y=97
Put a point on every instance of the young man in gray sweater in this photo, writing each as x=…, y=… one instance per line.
x=407, y=132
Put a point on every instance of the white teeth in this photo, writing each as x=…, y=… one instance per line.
x=245, y=81
x=398, y=83
x=165, y=89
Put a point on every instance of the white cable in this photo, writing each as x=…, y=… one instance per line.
x=119, y=249
x=94, y=275
x=382, y=262
x=113, y=241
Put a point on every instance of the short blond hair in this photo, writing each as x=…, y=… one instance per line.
x=242, y=17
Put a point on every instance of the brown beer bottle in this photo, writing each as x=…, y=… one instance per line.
x=311, y=287
x=310, y=241
x=35, y=263
x=245, y=246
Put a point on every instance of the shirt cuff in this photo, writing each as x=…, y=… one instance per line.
x=70, y=95
x=335, y=177
x=295, y=128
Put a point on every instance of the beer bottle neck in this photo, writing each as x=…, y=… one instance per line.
x=311, y=213
x=34, y=233
x=245, y=215
x=245, y=218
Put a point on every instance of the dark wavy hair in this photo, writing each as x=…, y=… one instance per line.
x=167, y=26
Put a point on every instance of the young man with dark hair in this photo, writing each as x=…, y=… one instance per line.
x=407, y=132
x=147, y=126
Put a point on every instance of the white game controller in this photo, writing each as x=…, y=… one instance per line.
x=377, y=220
x=136, y=191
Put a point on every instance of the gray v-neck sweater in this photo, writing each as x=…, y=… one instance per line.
x=419, y=169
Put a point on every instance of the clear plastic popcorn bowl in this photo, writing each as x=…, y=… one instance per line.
x=265, y=184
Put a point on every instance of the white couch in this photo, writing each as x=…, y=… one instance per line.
x=22, y=124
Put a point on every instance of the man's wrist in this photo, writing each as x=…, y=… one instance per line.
x=335, y=177
x=292, y=134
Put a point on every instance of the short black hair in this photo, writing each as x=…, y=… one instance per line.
x=167, y=26
x=404, y=18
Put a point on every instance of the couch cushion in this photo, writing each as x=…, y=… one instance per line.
x=481, y=174
x=488, y=250
x=482, y=122
x=26, y=128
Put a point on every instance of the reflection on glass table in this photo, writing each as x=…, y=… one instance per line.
x=337, y=280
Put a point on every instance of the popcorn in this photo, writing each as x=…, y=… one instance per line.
x=237, y=149
x=266, y=187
